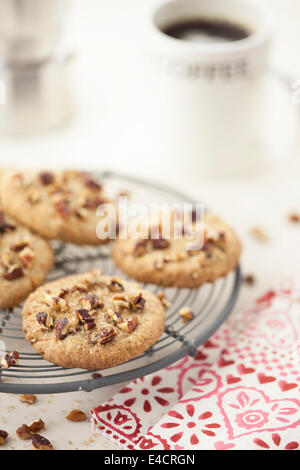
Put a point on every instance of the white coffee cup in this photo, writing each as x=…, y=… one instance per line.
x=209, y=97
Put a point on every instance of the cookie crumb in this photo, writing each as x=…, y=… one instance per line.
x=96, y=375
x=249, y=279
x=76, y=416
x=186, y=314
x=9, y=360
x=28, y=398
x=259, y=234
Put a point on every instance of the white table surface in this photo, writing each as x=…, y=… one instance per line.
x=265, y=200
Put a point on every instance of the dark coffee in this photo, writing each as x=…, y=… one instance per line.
x=207, y=31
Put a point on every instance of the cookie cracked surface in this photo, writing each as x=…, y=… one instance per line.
x=57, y=204
x=25, y=260
x=169, y=263
x=92, y=321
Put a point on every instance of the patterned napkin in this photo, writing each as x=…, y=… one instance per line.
x=242, y=391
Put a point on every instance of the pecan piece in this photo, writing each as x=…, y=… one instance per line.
x=93, y=203
x=137, y=303
x=63, y=292
x=129, y=325
x=85, y=318
x=6, y=228
x=26, y=256
x=13, y=272
x=3, y=436
x=140, y=248
x=91, y=183
x=46, y=178
x=115, y=286
x=61, y=329
x=294, y=218
x=45, y=320
x=76, y=416
x=94, y=301
x=249, y=279
x=62, y=207
x=96, y=375
x=160, y=244
x=106, y=335
x=40, y=443
x=163, y=299
x=18, y=246
x=186, y=314
x=9, y=360
x=23, y=432
x=28, y=398
x=36, y=425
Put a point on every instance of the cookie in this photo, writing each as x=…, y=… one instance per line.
x=91, y=321
x=58, y=205
x=168, y=262
x=25, y=260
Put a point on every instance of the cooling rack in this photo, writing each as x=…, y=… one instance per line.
x=211, y=304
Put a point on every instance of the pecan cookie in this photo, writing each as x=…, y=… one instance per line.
x=92, y=321
x=25, y=260
x=175, y=262
x=59, y=205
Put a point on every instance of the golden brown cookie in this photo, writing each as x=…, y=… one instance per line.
x=25, y=260
x=92, y=321
x=59, y=205
x=168, y=262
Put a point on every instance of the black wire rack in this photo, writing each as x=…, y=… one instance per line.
x=211, y=304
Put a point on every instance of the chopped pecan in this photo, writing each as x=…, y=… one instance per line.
x=76, y=416
x=5, y=228
x=106, y=335
x=61, y=330
x=36, y=425
x=160, y=243
x=46, y=320
x=58, y=303
x=96, y=375
x=129, y=325
x=13, y=272
x=120, y=301
x=140, y=248
x=18, y=246
x=94, y=301
x=62, y=207
x=46, y=178
x=40, y=443
x=26, y=256
x=23, y=432
x=9, y=360
x=28, y=398
x=63, y=292
x=79, y=288
x=186, y=314
x=115, y=286
x=85, y=318
x=91, y=183
x=294, y=218
x=137, y=303
x=3, y=436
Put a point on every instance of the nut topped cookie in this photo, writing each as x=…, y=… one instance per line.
x=59, y=205
x=175, y=261
x=92, y=321
x=25, y=260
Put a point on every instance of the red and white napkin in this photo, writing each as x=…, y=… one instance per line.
x=242, y=391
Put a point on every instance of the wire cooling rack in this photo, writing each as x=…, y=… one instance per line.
x=211, y=304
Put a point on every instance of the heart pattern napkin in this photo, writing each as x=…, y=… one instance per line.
x=242, y=391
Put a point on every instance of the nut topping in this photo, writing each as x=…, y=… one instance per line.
x=61, y=330
x=26, y=256
x=115, y=286
x=18, y=246
x=40, y=443
x=140, y=248
x=9, y=360
x=46, y=178
x=46, y=320
x=85, y=318
x=160, y=244
x=3, y=437
x=92, y=184
x=36, y=425
x=76, y=416
x=129, y=325
x=137, y=303
x=13, y=272
x=106, y=335
x=62, y=207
